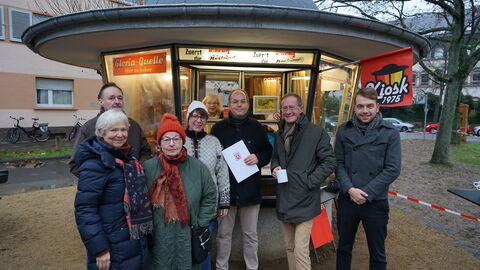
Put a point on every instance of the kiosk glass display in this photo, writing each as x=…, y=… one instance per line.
x=334, y=92
x=146, y=80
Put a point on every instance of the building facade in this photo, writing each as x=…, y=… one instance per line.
x=32, y=86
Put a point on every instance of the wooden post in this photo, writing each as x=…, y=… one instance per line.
x=463, y=108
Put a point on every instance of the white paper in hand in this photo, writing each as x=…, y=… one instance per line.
x=234, y=156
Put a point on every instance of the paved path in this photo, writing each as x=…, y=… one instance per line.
x=48, y=174
x=429, y=136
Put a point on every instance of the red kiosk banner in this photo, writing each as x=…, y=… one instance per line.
x=321, y=230
x=391, y=75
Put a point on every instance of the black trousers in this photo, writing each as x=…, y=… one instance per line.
x=374, y=217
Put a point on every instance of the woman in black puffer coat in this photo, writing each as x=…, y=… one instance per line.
x=112, y=210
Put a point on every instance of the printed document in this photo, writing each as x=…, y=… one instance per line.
x=234, y=156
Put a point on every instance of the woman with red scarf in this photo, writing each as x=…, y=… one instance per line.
x=182, y=193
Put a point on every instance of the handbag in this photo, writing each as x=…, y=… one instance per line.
x=201, y=243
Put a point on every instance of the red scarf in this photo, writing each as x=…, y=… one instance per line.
x=167, y=190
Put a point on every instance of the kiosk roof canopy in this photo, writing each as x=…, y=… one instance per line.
x=279, y=3
x=80, y=38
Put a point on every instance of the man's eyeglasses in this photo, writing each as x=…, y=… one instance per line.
x=291, y=108
x=175, y=140
x=243, y=101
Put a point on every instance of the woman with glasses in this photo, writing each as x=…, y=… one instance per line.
x=208, y=149
x=182, y=193
x=112, y=209
x=214, y=106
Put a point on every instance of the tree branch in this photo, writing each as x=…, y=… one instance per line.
x=450, y=9
x=433, y=30
x=433, y=71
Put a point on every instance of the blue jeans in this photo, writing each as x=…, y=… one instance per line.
x=206, y=265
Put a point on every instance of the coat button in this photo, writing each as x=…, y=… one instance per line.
x=355, y=148
x=354, y=172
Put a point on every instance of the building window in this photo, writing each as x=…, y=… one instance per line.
x=54, y=92
x=476, y=76
x=424, y=79
x=2, y=24
x=438, y=52
x=414, y=79
x=19, y=20
x=40, y=18
x=132, y=2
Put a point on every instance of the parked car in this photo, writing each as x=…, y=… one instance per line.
x=331, y=122
x=433, y=128
x=476, y=130
x=400, y=125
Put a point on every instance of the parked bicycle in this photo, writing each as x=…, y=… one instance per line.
x=39, y=131
x=76, y=127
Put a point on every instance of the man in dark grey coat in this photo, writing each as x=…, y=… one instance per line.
x=304, y=150
x=110, y=97
x=368, y=153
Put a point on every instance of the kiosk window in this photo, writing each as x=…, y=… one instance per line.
x=214, y=88
x=334, y=93
x=146, y=80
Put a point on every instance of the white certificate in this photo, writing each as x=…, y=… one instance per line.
x=234, y=156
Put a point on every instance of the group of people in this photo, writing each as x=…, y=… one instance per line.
x=135, y=211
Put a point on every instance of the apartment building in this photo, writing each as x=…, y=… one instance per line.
x=34, y=86
x=423, y=83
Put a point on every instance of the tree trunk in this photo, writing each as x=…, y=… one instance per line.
x=442, y=143
x=436, y=112
x=455, y=140
x=444, y=135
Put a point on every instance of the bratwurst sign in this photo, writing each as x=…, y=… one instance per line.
x=391, y=75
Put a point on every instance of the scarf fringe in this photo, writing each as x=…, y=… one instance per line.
x=141, y=230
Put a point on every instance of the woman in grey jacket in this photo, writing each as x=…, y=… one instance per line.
x=207, y=148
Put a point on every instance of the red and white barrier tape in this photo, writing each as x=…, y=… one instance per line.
x=464, y=133
x=433, y=206
x=453, y=131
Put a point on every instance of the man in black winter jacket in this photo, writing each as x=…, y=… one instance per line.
x=110, y=97
x=245, y=197
x=368, y=153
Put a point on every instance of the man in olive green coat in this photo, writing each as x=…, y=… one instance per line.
x=304, y=150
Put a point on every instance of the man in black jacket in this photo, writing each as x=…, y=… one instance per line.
x=245, y=197
x=368, y=153
x=304, y=150
x=110, y=97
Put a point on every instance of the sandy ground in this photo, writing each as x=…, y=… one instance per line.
x=37, y=229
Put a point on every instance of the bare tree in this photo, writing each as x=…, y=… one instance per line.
x=459, y=30
x=61, y=7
